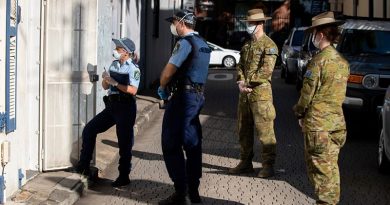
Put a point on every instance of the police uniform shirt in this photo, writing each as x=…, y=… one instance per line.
x=181, y=51
x=126, y=74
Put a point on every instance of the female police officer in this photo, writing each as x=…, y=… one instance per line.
x=185, y=74
x=122, y=82
x=319, y=109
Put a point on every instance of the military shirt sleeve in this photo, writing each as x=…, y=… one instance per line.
x=310, y=85
x=267, y=66
x=180, y=52
x=240, y=72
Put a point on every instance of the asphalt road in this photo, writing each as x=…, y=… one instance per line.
x=360, y=181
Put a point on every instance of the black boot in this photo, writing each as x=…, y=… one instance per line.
x=122, y=180
x=194, y=196
x=83, y=169
x=175, y=199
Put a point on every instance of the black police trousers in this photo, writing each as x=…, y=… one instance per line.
x=119, y=113
x=181, y=129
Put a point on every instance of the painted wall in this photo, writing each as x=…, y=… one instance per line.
x=24, y=141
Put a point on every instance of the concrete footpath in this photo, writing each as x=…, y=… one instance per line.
x=66, y=187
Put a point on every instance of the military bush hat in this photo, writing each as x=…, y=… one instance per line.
x=326, y=18
x=256, y=15
x=125, y=43
x=183, y=15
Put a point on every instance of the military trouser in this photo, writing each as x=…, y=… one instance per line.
x=321, y=155
x=259, y=115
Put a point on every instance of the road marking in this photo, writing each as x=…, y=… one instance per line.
x=220, y=76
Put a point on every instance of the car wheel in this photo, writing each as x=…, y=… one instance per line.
x=229, y=61
x=383, y=161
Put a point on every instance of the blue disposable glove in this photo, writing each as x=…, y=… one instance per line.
x=162, y=93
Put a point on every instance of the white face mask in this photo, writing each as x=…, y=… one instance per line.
x=173, y=30
x=251, y=29
x=313, y=40
x=116, y=54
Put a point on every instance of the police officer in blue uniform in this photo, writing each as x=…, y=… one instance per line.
x=121, y=81
x=182, y=81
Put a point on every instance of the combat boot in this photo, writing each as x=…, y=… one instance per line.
x=242, y=167
x=266, y=171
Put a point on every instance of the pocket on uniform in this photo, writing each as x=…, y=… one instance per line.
x=317, y=142
x=263, y=111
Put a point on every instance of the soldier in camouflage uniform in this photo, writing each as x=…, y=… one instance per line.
x=319, y=109
x=255, y=106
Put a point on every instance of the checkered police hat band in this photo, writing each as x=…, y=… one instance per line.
x=185, y=20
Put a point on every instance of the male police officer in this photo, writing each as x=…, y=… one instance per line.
x=319, y=109
x=184, y=75
x=122, y=82
x=255, y=106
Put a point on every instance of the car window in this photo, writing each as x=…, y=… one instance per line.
x=365, y=42
x=298, y=37
x=307, y=43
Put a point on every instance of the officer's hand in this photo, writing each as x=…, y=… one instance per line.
x=111, y=81
x=162, y=93
x=242, y=87
x=105, y=74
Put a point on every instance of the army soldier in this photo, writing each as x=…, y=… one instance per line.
x=319, y=109
x=255, y=106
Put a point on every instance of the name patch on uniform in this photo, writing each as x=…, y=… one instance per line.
x=307, y=74
x=137, y=75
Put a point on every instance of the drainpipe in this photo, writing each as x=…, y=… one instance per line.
x=355, y=5
x=41, y=86
x=384, y=8
x=123, y=18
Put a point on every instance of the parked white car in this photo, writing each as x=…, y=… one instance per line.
x=222, y=56
x=384, y=139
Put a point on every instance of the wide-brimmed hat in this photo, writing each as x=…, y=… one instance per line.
x=125, y=43
x=326, y=18
x=256, y=15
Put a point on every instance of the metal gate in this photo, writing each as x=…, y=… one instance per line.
x=69, y=46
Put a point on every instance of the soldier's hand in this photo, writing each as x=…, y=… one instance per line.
x=162, y=93
x=111, y=81
x=242, y=87
x=300, y=122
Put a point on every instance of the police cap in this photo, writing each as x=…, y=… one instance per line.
x=183, y=15
x=125, y=43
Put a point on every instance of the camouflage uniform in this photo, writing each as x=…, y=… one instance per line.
x=320, y=108
x=256, y=109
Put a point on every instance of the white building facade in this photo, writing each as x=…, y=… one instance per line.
x=52, y=53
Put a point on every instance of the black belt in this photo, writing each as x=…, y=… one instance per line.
x=196, y=87
x=121, y=98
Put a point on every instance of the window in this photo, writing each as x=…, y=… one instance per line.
x=12, y=20
x=365, y=42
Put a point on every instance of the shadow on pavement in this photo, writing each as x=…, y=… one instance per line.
x=110, y=143
x=146, y=191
